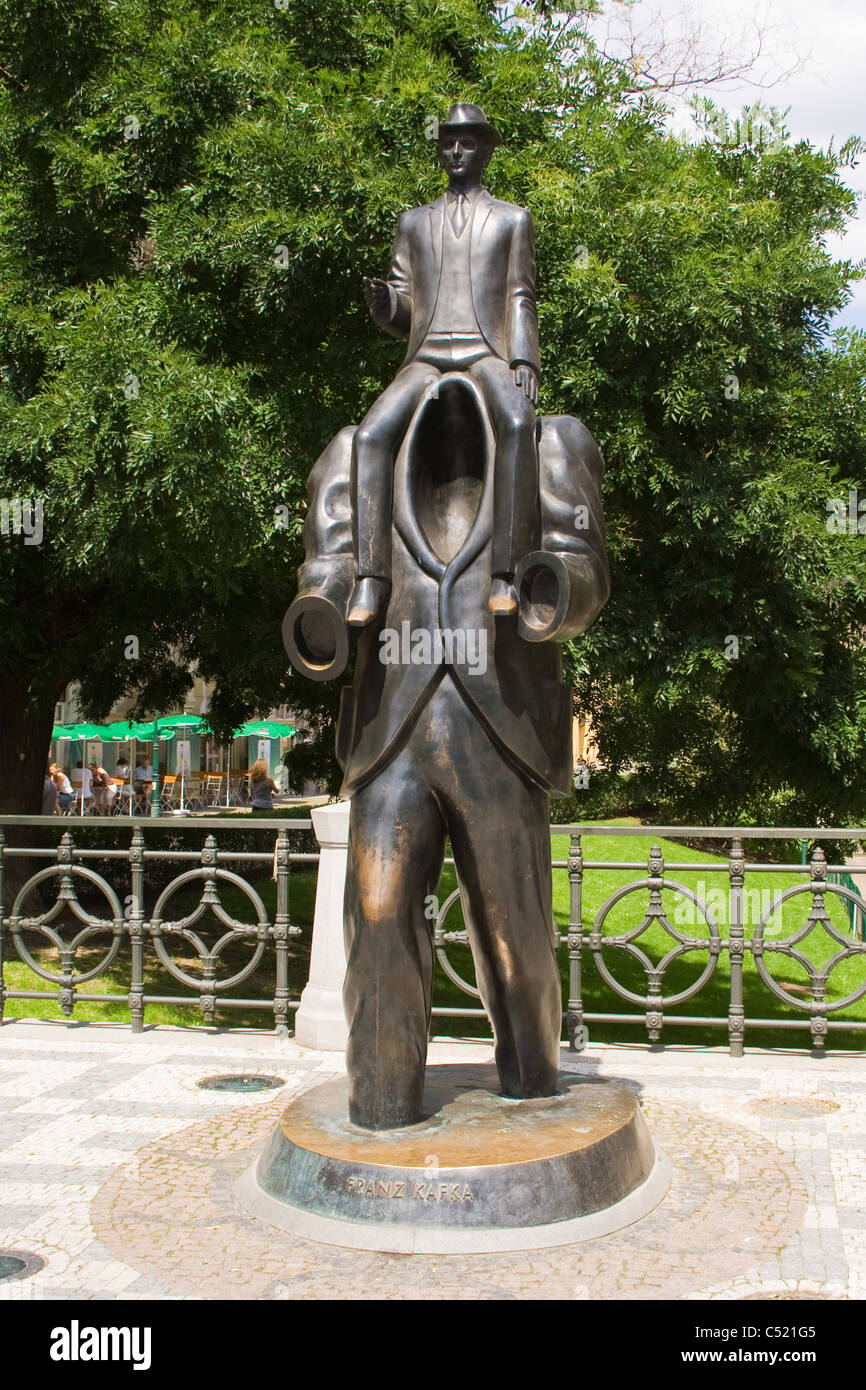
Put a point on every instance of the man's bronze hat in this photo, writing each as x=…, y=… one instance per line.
x=464, y=117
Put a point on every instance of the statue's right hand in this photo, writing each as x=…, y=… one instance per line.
x=378, y=298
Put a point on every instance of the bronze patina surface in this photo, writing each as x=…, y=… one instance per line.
x=454, y=540
x=476, y=1160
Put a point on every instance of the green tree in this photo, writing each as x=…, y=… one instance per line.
x=727, y=674
x=191, y=193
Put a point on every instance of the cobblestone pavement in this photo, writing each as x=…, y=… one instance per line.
x=119, y=1172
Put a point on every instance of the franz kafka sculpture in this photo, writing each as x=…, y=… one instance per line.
x=459, y=540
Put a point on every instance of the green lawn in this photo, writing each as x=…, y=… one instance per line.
x=712, y=1000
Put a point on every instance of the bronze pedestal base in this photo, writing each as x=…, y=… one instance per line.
x=481, y=1172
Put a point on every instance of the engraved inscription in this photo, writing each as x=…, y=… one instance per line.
x=369, y=1187
x=416, y=1191
x=442, y=1192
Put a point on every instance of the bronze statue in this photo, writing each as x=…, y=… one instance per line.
x=462, y=289
x=457, y=540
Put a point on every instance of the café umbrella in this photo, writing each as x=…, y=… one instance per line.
x=77, y=733
x=263, y=728
x=153, y=731
x=160, y=729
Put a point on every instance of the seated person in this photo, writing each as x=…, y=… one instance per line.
x=262, y=786
x=123, y=773
x=49, y=795
x=142, y=781
x=466, y=303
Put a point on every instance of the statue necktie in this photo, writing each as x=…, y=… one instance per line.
x=459, y=214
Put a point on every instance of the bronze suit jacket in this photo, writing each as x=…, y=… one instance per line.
x=502, y=236
x=519, y=696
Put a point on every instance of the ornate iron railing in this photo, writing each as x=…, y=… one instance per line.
x=715, y=945
x=156, y=927
x=211, y=983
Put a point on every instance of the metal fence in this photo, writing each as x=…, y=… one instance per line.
x=155, y=928
x=722, y=938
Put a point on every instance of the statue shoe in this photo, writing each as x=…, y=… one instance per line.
x=367, y=598
x=503, y=599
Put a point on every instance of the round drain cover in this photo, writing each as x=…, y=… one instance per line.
x=18, y=1264
x=792, y=1108
x=241, y=1081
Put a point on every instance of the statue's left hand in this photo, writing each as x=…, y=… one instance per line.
x=527, y=381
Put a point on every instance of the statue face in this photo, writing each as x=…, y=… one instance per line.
x=463, y=156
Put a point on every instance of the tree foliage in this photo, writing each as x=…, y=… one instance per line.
x=191, y=193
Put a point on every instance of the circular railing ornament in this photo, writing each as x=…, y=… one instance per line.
x=18, y=922
x=235, y=930
x=655, y=1000
x=443, y=939
x=787, y=946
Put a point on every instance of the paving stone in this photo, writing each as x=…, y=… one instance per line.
x=39, y=1170
x=16, y=1214
x=15, y=1126
x=123, y=1140
x=146, y=1210
x=135, y=1109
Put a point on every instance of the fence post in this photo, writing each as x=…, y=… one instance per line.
x=2, y=910
x=577, y=1032
x=136, y=931
x=320, y=1020
x=819, y=913
x=282, y=931
x=210, y=894
x=66, y=893
x=654, y=1004
x=736, y=944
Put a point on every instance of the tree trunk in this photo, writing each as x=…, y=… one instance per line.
x=25, y=740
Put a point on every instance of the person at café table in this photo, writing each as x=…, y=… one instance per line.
x=103, y=791
x=142, y=781
x=262, y=786
x=122, y=774
x=49, y=794
x=65, y=794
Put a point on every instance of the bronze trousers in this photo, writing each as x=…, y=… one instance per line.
x=449, y=780
x=515, y=463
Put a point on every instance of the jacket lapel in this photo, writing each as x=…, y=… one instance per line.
x=435, y=213
x=428, y=274
x=483, y=207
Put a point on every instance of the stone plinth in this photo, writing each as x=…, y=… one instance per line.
x=320, y=1021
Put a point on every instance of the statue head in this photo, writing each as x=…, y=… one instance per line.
x=465, y=143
